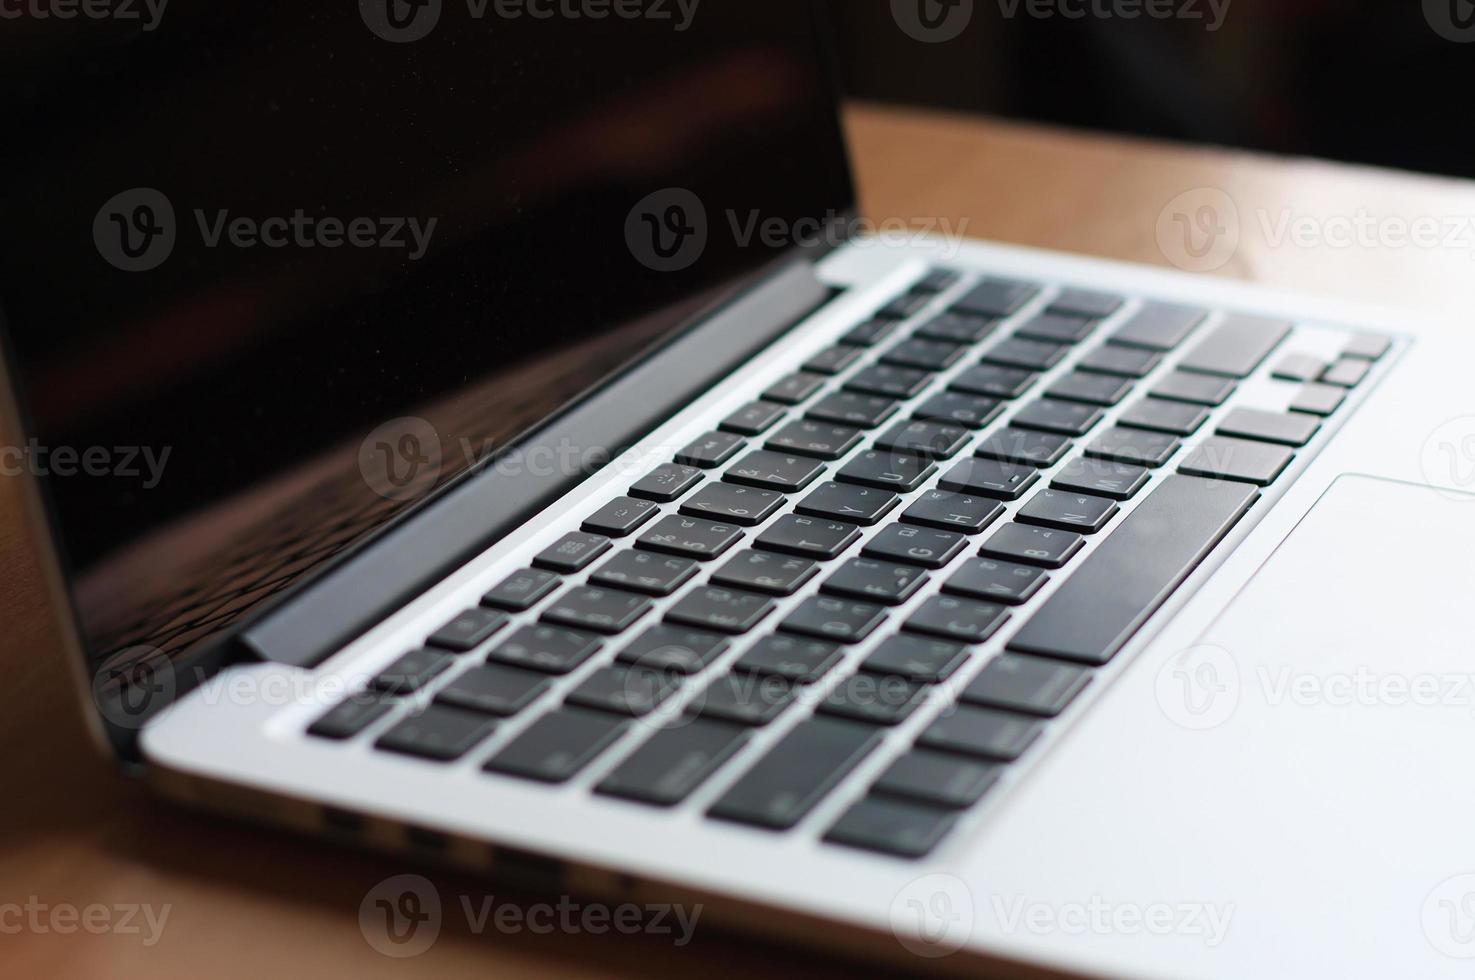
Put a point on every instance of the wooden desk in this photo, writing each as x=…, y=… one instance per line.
x=253, y=903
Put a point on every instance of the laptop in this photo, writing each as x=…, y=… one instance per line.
x=494, y=438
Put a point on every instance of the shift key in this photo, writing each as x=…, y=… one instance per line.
x=796, y=773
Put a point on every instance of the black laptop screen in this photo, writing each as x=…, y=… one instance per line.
x=270, y=271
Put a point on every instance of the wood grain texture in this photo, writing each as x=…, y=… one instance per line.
x=255, y=903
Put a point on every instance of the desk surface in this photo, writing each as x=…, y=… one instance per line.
x=253, y=903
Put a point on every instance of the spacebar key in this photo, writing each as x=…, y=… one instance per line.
x=796, y=773
x=1131, y=575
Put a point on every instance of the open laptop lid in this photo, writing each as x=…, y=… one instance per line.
x=274, y=278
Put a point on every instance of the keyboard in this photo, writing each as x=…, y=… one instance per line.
x=962, y=510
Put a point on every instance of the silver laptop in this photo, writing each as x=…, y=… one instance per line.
x=494, y=439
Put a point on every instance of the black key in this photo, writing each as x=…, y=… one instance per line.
x=1237, y=460
x=673, y=763
x=875, y=581
x=754, y=418
x=711, y=450
x=963, y=620
x=644, y=571
x=666, y=482
x=982, y=732
x=572, y=552
x=904, y=306
x=832, y=360
x=964, y=513
x=895, y=827
x=622, y=690
x=890, y=381
x=793, y=658
x=493, y=690
x=871, y=332
x=843, y=502
x=916, y=546
x=794, y=389
x=808, y=762
x=973, y=411
x=597, y=609
x=996, y=298
x=808, y=537
x=1033, y=545
x=943, y=780
x=958, y=328
x=348, y=718
x=990, y=478
x=1157, y=415
x=670, y=648
x=886, y=470
x=1277, y=427
x=747, y=506
x=620, y=517
x=716, y=608
x=1368, y=347
x=1299, y=367
x=828, y=618
x=1086, y=303
x=1069, y=511
x=917, y=658
x=1057, y=328
x=1031, y=355
x=1319, y=399
x=1136, y=446
x=1027, y=684
x=1042, y=449
x=468, y=630
x=874, y=700
x=1122, y=583
x=994, y=381
x=438, y=733
x=852, y=408
x=1101, y=478
x=822, y=440
x=761, y=572
x=936, y=281
x=1159, y=326
x=556, y=746
x=929, y=355
x=551, y=649
x=412, y=671
x=690, y=537
x=1346, y=373
x=1054, y=415
x=1129, y=362
x=1091, y=389
x=1237, y=346
x=744, y=699
x=774, y=471
x=1196, y=389
x=521, y=590
x=997, y=581
x=933, y=440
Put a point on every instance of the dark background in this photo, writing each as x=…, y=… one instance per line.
x=1367, y=81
